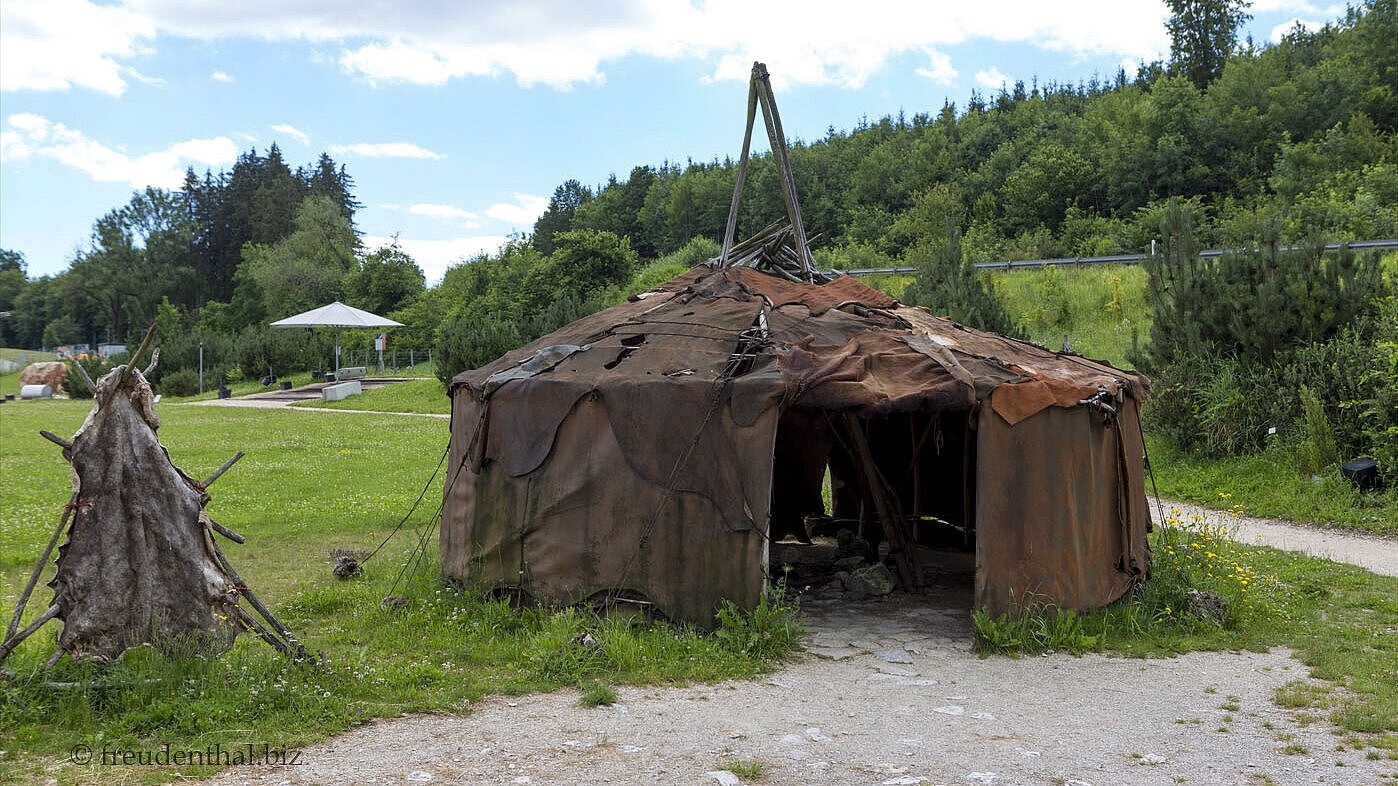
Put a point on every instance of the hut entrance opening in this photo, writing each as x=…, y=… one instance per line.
x=851, y=493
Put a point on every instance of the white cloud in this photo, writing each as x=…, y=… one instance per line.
x=445, y=212
x=386, y=150
x=1280, y=31
x=60, y=44
x=1297, y=6
x=220, y=76
x=939, y=68
x=29, y=136
x=525, y=210
x=565, y=43
x=991, y=78
x=435, y=256
x=293, y=132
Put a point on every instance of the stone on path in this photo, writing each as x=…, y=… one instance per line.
x=834, y=653
x=894, y=656
x=724, y=777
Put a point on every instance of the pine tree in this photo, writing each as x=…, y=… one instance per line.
x=1202, y=36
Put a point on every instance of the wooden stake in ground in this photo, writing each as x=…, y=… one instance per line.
x=139, y=565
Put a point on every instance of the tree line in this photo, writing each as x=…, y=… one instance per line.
x=1291, y=139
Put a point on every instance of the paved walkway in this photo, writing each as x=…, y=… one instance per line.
x=285, y=399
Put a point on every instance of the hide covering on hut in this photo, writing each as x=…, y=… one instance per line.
x=651, y=449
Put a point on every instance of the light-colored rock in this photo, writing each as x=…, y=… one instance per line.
x=724, y=778
x=873, y=580
x=894, y=656
x=51, y=373
x=834, y=653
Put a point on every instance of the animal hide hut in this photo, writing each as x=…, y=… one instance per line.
x=653, y=450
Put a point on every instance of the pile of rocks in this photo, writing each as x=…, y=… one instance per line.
x=849, y=569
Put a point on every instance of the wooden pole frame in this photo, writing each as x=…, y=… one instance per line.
x=760, y=94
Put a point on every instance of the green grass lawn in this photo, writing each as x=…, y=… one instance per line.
x=311, y=484
x=1267, y=484
x=32, y=355
x=418, y=395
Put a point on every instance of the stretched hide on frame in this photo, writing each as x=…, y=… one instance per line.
x=138, y=566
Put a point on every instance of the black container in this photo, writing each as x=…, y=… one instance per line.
x=224, y=392
x=9, y=397
x=1363, y=473
x=286, y=385
x=316, y=375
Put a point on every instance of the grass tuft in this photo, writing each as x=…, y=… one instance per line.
x=597, y=694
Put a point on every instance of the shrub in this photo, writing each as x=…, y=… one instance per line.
x=181, y=382
x=95, y=367
x=949, y=284
x=465, y=344
x=1235, y=341
x=262, y=350
x=1254, y=304
x=1317, y=450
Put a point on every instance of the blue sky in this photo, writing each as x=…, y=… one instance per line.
x=457, y=119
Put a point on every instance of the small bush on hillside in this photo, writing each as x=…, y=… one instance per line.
x=1236, y=340
x=465, y=344
x=182, y=382
x=949, y=284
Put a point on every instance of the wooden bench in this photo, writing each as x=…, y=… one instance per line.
x=341, y=390
x=352, y=372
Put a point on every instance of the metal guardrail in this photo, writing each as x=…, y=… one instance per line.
x=1114, y=259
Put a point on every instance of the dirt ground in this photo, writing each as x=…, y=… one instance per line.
x=890, y=693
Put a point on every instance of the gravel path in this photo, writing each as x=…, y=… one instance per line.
x=901, y=700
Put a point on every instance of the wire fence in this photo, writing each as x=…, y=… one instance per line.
x=1114, y=259
x=393, y=359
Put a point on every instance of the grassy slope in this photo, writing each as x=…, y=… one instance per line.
x=1097, y=308
x=34, y=355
